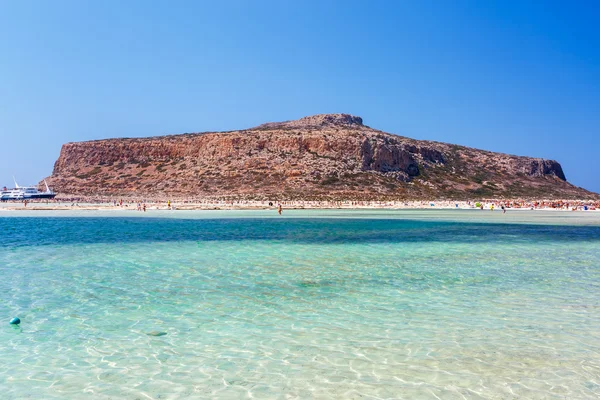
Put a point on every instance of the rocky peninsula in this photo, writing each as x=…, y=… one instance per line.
x=320, y=157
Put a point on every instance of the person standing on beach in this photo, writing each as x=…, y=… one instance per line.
x=279, y=208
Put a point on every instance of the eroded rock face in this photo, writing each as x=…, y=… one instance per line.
x=543, y=167
x=321, y=156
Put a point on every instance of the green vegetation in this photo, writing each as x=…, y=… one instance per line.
x=482, y=192
x=314, y=153
x=330, y=180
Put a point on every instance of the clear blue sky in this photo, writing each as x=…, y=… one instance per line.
x=520, y=77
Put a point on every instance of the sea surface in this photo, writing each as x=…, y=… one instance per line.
x=460, y=304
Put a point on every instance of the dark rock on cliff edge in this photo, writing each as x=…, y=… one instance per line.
x=318, y=157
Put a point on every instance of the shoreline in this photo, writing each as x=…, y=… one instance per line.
x=493, y=205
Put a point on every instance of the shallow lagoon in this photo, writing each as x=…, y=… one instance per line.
x=313, y=304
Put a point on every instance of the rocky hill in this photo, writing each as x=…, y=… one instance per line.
x=330, y=156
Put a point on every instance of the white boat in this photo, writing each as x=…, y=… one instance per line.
x=26, y=193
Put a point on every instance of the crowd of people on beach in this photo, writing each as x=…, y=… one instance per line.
x=571, y=205
x=143, y=205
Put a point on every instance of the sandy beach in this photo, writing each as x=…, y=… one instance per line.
x=133, y=205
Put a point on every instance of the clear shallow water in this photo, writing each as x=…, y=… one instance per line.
x=362, y=304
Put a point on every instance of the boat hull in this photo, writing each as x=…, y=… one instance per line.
x=41, y=196
x=29, y=197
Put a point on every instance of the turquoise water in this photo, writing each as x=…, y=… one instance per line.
x=313, y=304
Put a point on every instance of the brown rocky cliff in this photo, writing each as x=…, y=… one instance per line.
x=321, y=156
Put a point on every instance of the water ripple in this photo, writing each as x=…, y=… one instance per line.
x=170, y=309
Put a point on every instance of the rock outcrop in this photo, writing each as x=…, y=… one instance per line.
x=317, y=157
